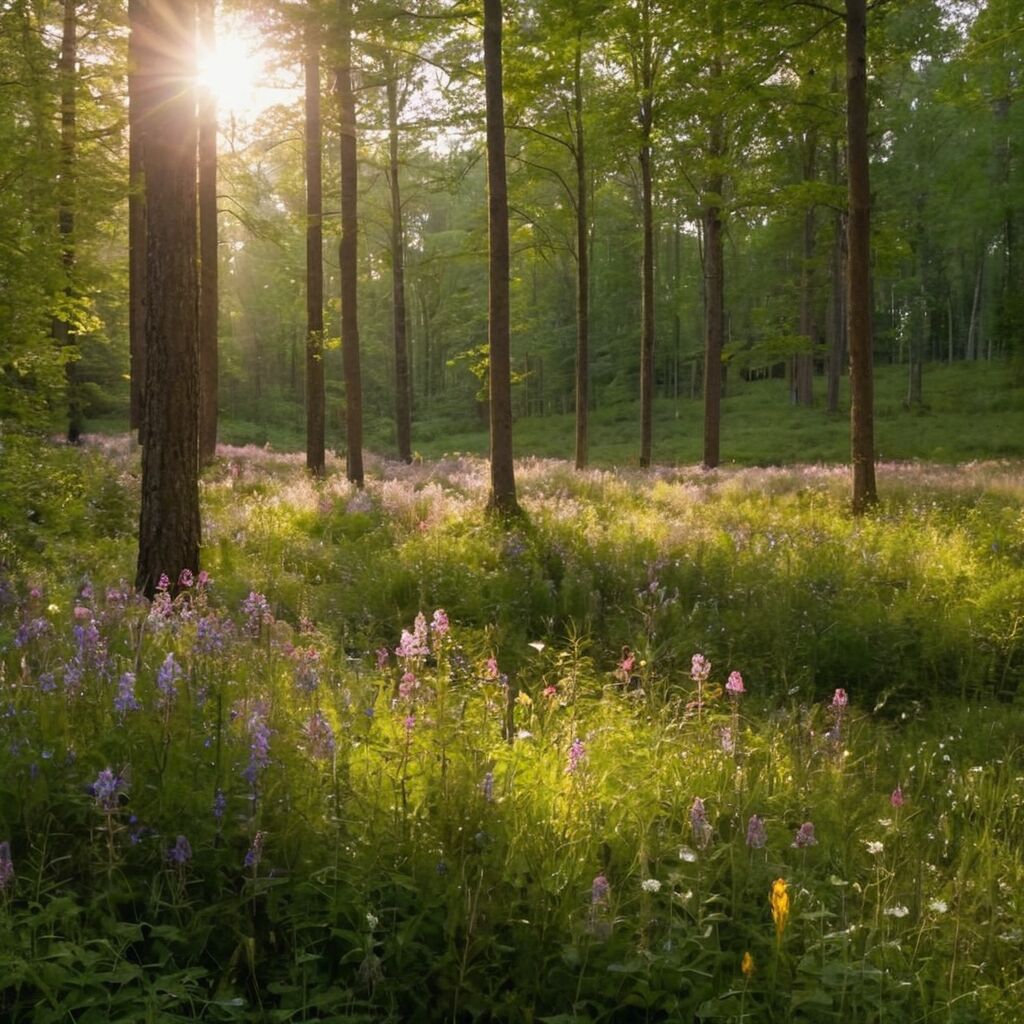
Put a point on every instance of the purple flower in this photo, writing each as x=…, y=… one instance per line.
x=735, y=684
x=439, y=623
x=125, y=700
x=410, y=724
x=186, y=579
x=408, y=684
x=212, y=635
x=181, y=852
x=839, y=699
x=255, y=852
x=6, y=866
x=599, y=890
x=106, y=788
x=220, y=805
x=414, y=644
x=805, y=836
x=577, y=754
x=487, y=787
x=702, y=830
x=259, y=743
x=700, y=669
x=167, y=682
x=319, y=735
x=757, y=836
x=163, y=584
x=382, y=657
x=307, y=669
x=726, y=740
x=896, y=799
x=257, y=613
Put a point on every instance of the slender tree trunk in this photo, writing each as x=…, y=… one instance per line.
x=208, y=293
x=314, y=253
x=136, y=223
x=859, y=260
x=804, y=368
x=63, y=331
x=837, y=301
x=972, y=349
x=647, y=305
x=348, y=253
x=503, y=485
x=169, y=528
x=403, y=414
x=582, y=267
x=714, y=321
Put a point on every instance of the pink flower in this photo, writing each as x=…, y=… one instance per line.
x=735, y=684
x=628, y=661
x=700, y=668
x=804, y=836
x=839, y=698
x=897, y=797
x=550, y=692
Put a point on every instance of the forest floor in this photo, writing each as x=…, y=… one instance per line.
x=676, y=745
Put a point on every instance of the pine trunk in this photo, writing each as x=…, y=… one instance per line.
x=647, y=305
x=314, y=256
x=582, y=270
x=503, y=484
x=169, y=527
x=136, y=222
x=858, y=260
x=804, y=374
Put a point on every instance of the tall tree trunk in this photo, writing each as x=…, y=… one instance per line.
x=169, y=527
x=837, y=301
x=804, y=369
x=647, y=305
x=403, y=413
x=859, y=259
x=314, y=254
x=972, y=349
x=63, y=331
x=348, y=253
x=582, y=267
x=136, y=223
x=503, y=484
x=208, y=294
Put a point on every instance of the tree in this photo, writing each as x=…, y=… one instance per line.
x=503, y=484
x=858, y=265
x=348, y=251
x=208, y=294
x=136, y=222
x=314, y=252
x=169, y=527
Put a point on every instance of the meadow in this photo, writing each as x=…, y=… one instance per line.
x=675, y=746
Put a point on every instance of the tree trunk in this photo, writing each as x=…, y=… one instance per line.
x=403, y=414
x=136, y=224
x=314, y=254
x=804, y=369
x=647, y=305
x=837, y=301
x=208, y=301
x=582, y=269
x=169, y=520
x=859, y=259
x=503, y=485
x=348, y=253
x=63, y=331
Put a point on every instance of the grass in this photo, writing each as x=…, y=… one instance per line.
x=537, y=813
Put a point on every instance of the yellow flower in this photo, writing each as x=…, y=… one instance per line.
x=779, y=900
x=523, y=699
x=747, y=967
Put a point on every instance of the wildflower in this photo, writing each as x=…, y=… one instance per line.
x=938, y=906
x=735, y=684
x=181, y=852
x=725, y=740
x=896, y=799
x=6, y=865
x=382, y=657
x=186, y=579
x=779, y=901
x=839, y=699
x=220, y=805
x=259, y=743
x=105, y=789
x=550, y=692
x=874, y=847
x=747, y=966
x=577, y=754
x=805, y=836
x=702, y=830
x=255, y=852
x=372, y=921
x=650, y=885
x=319, y=735
x=523, y=699
x=491, y=668
x=487, y=787
x=307, y=669
x=408, y=684
x=757, y=836
x=410, y=724
x=257, y=613
x=167, y=682
x=212, y=635
x=700, y=669
x=599, y=890
x=439, y=623
x=414, y=644
x=163, y=584
x=125, y=700
x=898, y=911
x=627, y=662
x=687, y=855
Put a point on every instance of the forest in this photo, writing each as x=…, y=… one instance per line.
x=511, y=511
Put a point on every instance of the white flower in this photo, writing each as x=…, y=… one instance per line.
x=898, y=911
x=650, y=885
x=939, y=906
x=372, y=921
x=685, y=853
x=874, y=847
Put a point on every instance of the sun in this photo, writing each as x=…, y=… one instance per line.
x=234, y=72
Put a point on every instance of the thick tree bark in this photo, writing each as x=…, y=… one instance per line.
x=582, y=268
x=169, y=520
x=403, y=413
x=208, y=294
x=315, y=461
x=136, y=223
x=503, y=483
x=804, y=364
x=63, y=331
x=348, y=253
x=859, y=260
